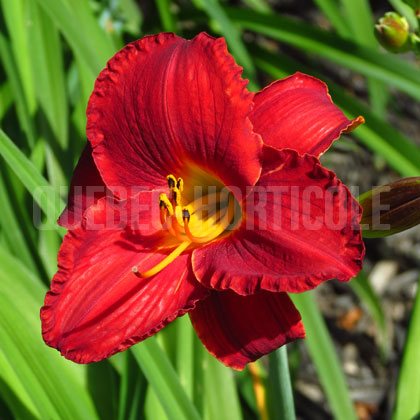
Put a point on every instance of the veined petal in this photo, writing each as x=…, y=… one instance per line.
x=164, y=104
x=297, y=113
x=97, y=305
x=86, y=188
x=301, y=227
x=240, y=329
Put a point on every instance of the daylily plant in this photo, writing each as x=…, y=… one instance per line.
x=195, y=195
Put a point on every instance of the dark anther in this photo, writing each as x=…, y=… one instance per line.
x=171, y=182
x=186, y=215
x=162, y=204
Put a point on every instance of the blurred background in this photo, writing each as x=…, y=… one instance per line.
x=358, y=360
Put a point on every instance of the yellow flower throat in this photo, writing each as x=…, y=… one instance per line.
x=199, y=222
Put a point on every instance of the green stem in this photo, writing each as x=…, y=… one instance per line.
x=280, y=396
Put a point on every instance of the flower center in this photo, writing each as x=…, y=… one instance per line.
x=196, y=222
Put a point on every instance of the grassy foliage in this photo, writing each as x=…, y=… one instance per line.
x=51, y=52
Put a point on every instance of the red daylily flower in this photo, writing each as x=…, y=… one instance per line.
x=169, y=115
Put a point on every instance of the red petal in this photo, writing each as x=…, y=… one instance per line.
x=302, y=232
x=164, y=104
x=240, y=329
x=86, y=188
x=97, y=306
x=298, y=113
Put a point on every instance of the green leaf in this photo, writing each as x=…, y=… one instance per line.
x=361, y=286
x=166, y=15
x=258, y=5
x=332, y=12
x=82, y=31
x=52, y=383
x=38, y=155
x=48, y=70
x=55, y=171
x=133, y=16
x=13, y=231
x=6, y=99
x=22, y=107
x=232, y=35
x=13, y=392
x=14, y=15
x=408, y=391
x=221, y=394
x=152, y=407
x=49, y=244
x=185, y=354
x=199, y=365
x=162, y=377
x=85, y=82
x=102, y=386
x=359, y=17
x=132, y=389
x=324, y=357
x=246, y=389
x=388, y=68
x=90, y=24
x=34, y=182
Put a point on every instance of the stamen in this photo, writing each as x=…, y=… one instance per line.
x=219, y=211
x=176, y=196
x=180, y=184
x=163, y=215
x=165, y=203
x=175, y=229
x=164, y=263
x=171, y=181
x=186, y=215
x=176, y=225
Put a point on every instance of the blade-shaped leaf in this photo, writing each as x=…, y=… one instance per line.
x=162, y=377
x=35, y=183
x=52, y=383
x=408, y=392
x=81, y=31
x=386, y=67
x=324, y=357
x=14, y=16
x=48, y=70
x=221, y=395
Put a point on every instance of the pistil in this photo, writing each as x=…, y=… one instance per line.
x=164, y=263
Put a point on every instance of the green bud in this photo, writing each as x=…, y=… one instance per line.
x=392, y=32
x=391, y=208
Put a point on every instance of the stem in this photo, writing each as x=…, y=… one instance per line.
x=281, y=402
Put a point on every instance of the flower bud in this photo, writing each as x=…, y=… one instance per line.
x=391, y=208
x=392, y=32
